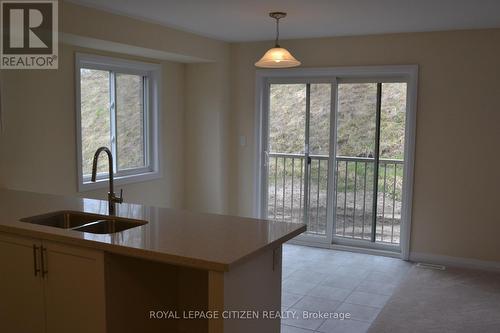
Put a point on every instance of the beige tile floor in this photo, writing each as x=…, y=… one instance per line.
x=336, y=281
x=385, y=295
x=454, y=300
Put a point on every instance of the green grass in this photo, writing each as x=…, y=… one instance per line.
x=95, y=118
x=355, y=123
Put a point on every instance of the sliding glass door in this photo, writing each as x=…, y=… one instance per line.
x=334, y=158
x=297, y=155
x=369, y=163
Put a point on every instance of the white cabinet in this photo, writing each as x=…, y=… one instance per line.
x=74, y=289
x=50, y=287
x=21, y=287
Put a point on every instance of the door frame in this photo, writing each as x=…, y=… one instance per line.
x=405, y=73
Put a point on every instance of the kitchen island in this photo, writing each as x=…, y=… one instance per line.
x=179, y=272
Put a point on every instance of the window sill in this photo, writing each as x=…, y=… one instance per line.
x=121, y=180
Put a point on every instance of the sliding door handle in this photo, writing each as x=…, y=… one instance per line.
x=36, y=270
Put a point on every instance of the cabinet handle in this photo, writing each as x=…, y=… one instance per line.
x=42, y=256
x=35, y=268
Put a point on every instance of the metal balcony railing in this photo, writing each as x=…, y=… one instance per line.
x=353, y=198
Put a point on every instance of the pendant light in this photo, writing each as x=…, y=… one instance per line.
x=277, y=57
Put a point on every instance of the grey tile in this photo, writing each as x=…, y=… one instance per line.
x=384, y=277
x=291, y=329
x=342, y=271
x=287, y=270
x=312, y=303
x=369, y=299
x=327, y=267
x=288, y=299
x=359, y=312
x=342, y=281
x=295, y=286
x=375, y=287
x=312, y=253
x=329, y=280
x=331, y=293
x=343, y=326
x=396, y=266
x=443, y=301
x=353, y=270
x=308, y=276
x=396, y=270
x=299, y=320
x=291, y=248
x=292, y=258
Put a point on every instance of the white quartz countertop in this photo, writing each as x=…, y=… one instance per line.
x=205, y=241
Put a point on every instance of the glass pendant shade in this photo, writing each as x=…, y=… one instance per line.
x=277, y=57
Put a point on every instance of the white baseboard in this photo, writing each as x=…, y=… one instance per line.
x=455, y=261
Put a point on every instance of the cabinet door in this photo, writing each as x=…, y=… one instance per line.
x=74, y=289
x=21, y=289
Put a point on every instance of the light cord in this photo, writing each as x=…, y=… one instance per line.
x=277, y=33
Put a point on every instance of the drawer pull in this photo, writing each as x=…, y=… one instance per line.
x=35, y=261
x=42, y=256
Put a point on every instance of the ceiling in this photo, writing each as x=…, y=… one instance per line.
x=248, y=20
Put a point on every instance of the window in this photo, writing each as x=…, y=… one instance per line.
x=117, y=107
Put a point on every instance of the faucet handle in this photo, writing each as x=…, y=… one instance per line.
x=120, y=199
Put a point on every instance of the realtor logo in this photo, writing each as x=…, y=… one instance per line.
x=29, y=35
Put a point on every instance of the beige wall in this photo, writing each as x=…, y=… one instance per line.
x=206, y=136
x=456, y=172
x=207, y=106
x=38, y=144
x=202, y=149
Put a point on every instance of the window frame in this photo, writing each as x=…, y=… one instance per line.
x=151, y=74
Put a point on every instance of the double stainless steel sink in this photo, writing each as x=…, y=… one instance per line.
x=85, y=222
